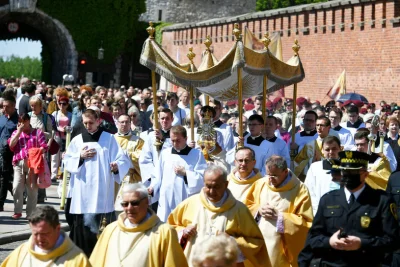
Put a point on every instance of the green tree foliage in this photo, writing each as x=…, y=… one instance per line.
x=274, y=4
x=17, y=66
x=91, y=22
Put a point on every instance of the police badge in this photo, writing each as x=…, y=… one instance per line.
x=365, y=221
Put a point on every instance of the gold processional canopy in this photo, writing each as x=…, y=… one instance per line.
x=220, y=79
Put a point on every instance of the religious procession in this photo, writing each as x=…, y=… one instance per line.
x=213, y=174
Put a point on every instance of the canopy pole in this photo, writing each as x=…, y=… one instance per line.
x=191, y=56
x=238, y=36
x=151, y=30
x=206, y=100
x=266, y=41
x=293, y=152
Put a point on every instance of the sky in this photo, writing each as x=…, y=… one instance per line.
x=21, y=48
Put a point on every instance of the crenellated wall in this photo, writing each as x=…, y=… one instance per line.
x=359, y=36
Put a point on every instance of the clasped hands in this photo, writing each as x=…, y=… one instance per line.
x=348, y=243
x=268, y=212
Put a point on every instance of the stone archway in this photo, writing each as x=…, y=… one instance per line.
x=49, y=30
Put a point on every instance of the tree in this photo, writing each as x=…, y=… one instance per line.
x=262, y=5
x=17, y=66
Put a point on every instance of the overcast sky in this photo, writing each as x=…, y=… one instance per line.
x=22, y=48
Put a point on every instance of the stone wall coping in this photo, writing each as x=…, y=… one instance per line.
x=265, y=14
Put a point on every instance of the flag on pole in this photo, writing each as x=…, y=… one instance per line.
x=339, y=88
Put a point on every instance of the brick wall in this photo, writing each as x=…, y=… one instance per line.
x=361, y=37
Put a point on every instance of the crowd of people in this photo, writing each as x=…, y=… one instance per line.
x=151, y=193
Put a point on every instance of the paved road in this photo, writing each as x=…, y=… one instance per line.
x=8, y=248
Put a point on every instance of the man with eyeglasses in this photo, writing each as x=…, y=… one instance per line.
x=281, y=204
x=132, y=145
x=378, y=165
x=179, y=173
x=138, y=237
x=308, y=134
x=244, y=174
x=346, y=137
x=312, y=151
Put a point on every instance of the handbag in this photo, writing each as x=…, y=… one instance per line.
x=44, y=179
x=54, y=147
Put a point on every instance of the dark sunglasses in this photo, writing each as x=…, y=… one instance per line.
x=62, y=103
x=136, y=203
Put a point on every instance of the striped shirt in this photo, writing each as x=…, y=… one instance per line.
x=26, y=141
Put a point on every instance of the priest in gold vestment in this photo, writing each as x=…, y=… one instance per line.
x=138, y=238
x=132, y=146
x=47, y=246
x=244, y=174
x=215, y=211
x=282, y=206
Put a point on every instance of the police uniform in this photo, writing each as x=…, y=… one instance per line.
x=393, y=188
x=369, y=217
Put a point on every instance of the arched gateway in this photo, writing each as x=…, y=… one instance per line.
x=21, y=19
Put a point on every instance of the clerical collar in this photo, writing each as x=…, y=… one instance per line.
x=218, y=123
x=128, y=224
x=184, y=151
x=165, y=134
x=308, y=133
x=237, y=175
x=272, y=139
x=94, y=132
x=219, y=203
x=337, y=128
x=392, y=138
x=92, y=137
x=357, y=124
x=256, y=141
x=59, y=242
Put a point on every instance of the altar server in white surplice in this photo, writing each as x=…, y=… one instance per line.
x=179, y=175
x=279, y=147
x=95, y=161
x=148, y=159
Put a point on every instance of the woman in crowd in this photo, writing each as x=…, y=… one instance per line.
x=136, y=122
x=392, y=138
x=21, y=140
x=121, y=101
x=62, y=119
x=84, y=102
x=59, y=92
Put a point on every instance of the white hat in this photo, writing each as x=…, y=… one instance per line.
x=368, y=117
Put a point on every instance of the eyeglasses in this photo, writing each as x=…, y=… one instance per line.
x=135, y=203
x=133, y=116
x=321, y=125
x=62, y=103
x=254, y=124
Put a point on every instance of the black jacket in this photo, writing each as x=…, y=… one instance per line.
x=369, y=218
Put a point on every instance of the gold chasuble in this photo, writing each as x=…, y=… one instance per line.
x=239, y=187
x=151, y=243
x=232, y=217
x=132, y=145
x=379, y=173
x=293, y=202
x=67, y=255
x=311, y=152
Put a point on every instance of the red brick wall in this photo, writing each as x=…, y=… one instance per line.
x=368, y=50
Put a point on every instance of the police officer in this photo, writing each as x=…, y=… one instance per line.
x=393, y=188
x=354, y=226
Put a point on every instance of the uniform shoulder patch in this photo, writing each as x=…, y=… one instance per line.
x=393, y=210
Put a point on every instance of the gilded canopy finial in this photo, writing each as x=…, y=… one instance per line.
x=151, y=30
x=296, y=47
x=208, y=42
x=191, y=55
x=266, y=40
x=237, y=32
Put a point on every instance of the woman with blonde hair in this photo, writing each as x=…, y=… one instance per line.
x=218, y=251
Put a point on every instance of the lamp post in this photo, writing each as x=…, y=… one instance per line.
x=100, y=52
x=67, y=78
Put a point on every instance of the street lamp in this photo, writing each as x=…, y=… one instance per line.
x=67, y=78
x=100, y=53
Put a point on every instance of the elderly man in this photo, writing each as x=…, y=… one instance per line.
x=244, y=175
x=48, y=245
x=184, y=102
x=138, y=238
x=96, y=162
x=355, y=225
x=215, y=211
x=179, y=174
x=319, y=180
x=282, y=205
x=132, y=145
